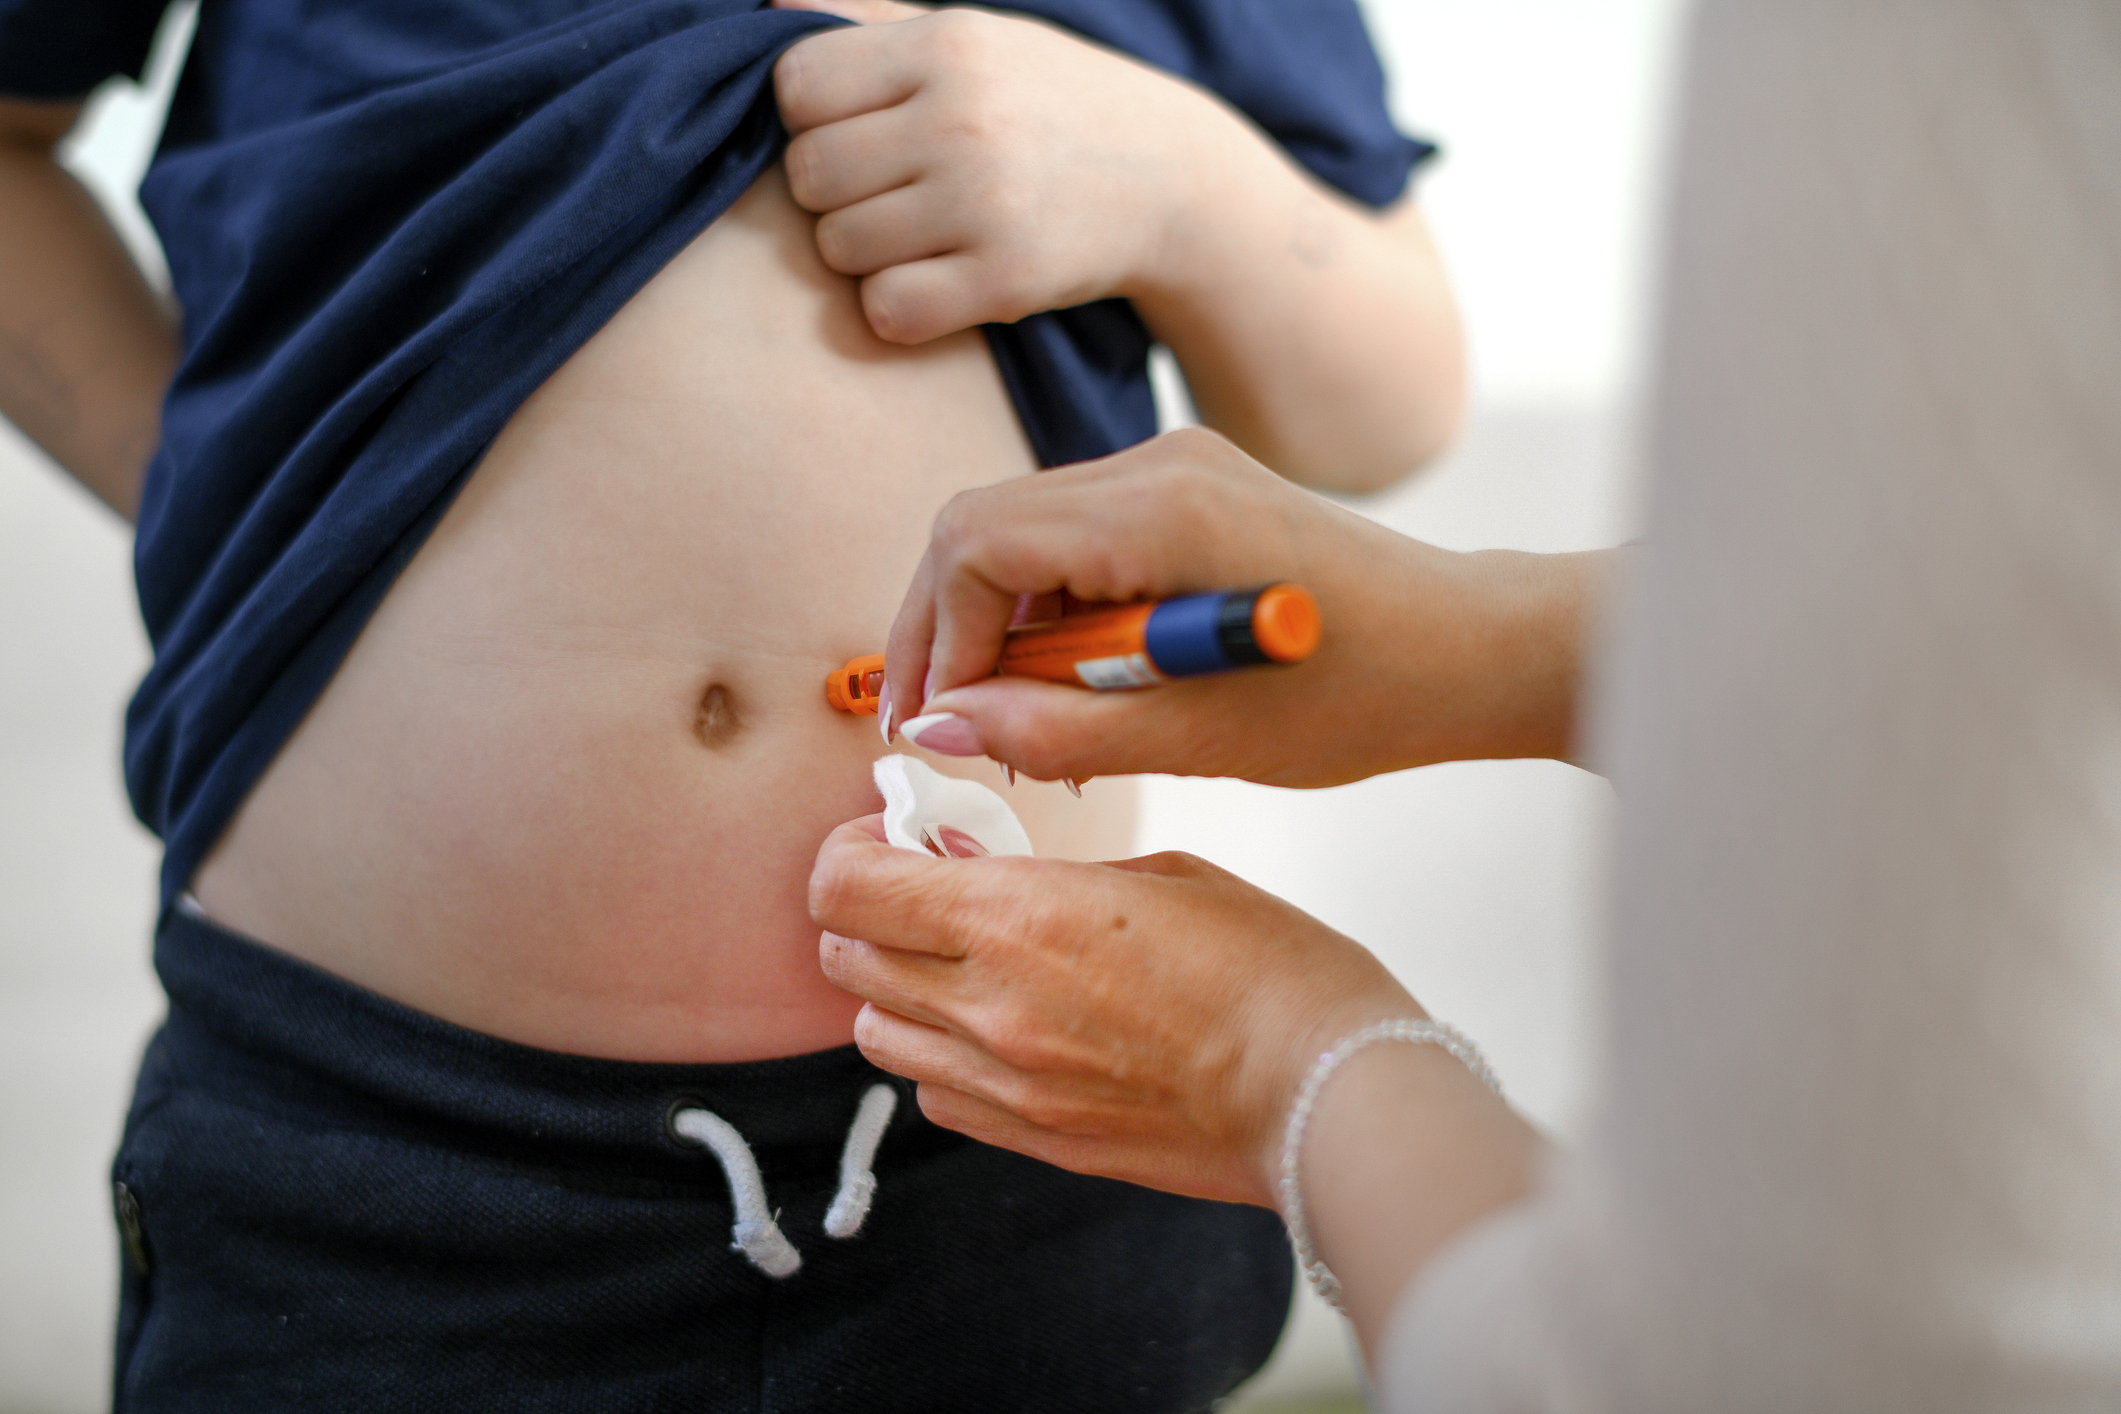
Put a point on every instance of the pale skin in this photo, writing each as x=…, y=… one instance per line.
x=972, y=167
x=925, y=180
x=86, y=347
x=566, y=787
x=1152, y=1019
x=1488, y=644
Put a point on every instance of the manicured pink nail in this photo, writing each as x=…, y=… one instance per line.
x=883, y=713
x=959, y=845
x=943, y=732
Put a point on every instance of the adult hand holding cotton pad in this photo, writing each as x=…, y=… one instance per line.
x=931, y=813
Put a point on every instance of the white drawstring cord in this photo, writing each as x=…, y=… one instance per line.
x=756, y=1234
x=850, y=1206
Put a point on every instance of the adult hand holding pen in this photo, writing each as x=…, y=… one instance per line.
x=1428, y=655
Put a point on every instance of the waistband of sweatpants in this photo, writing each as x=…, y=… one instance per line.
x=269, y=1029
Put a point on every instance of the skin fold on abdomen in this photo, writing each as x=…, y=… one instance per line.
x=567, y=786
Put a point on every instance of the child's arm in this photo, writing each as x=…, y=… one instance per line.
x=973, y=167
x=86, y=348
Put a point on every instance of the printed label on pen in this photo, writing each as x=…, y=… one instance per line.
x=1107, y=674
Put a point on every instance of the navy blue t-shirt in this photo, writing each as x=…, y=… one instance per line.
x=388, y=221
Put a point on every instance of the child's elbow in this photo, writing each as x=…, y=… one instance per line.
x=1397, y=452
x=1378, y=447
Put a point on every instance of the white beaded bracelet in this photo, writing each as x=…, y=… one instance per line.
x=1431, y=1033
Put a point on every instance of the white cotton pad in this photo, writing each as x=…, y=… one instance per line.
x=918, y=799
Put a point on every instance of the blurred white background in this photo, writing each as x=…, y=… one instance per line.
x=1479, y=883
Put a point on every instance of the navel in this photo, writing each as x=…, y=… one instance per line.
x=716, y=723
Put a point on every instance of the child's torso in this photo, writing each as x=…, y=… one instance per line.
x=567, y=786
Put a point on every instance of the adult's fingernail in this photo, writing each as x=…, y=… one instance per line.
x=959, y=845
x=883, y=713
x=1073, y=789
x=943, y=732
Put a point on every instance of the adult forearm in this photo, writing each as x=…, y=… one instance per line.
x=86, y=347
x=1467, y=656
x=1318, y=335
x=1531, y=625
x=1405, y=1150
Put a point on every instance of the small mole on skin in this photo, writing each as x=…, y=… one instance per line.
x=716, y=724
x=1119, y=922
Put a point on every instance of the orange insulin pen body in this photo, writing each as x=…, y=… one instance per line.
x=1135, y=645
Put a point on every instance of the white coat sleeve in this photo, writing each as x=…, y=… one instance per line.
x=1861, y=1142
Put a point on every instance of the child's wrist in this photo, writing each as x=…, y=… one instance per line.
x=1224, y=180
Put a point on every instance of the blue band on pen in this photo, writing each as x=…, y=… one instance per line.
x=1202, y=633
x=1180, y=636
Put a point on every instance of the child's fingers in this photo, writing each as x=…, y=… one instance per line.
x=897, y=227
x=835, y=74
x=842, y=163
x=925, y=298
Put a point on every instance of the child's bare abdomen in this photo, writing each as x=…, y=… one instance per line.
x=567, y=786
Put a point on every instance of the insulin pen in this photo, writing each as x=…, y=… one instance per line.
x=1134, y=645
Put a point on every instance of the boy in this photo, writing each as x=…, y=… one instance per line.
x=533, y=455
